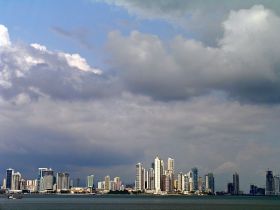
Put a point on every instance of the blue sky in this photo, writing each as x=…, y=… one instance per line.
x=117, y=82
x=32, y=21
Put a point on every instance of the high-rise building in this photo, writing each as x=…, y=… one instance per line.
x=9, y=174
x=230, y=188
x=209, y=183
x=48, y=179
x=187, y=183
x=31, y=185
x=158, y=168
x=269, y=189
x=200, y=184
x=151, y=179
x=16, y=177
x=40, y=185
x=117, y=183
x=139, y=182
x=4, y=184
x=170, y=171
x=277, y=185
x=235, y=182
x=107, y=183
x=62, y=181
x=162, y=179
x=170, y=165
x=90, y=181
x=195, y=179
x=180, y=182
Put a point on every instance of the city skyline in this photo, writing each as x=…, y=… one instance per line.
x=100, y=85
x=168, y=180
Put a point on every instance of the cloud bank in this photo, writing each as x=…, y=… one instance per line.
x=244, y=66
x=214, y=107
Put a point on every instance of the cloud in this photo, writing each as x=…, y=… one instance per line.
x=34, y=71
x=79, y=35
x=102, y=134
x=244, y=66
x=198, y=18
x=76, y=61
x=4, y=36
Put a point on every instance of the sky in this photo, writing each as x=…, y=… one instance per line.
x=96, y=86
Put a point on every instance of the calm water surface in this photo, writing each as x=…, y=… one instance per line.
x=128, y=202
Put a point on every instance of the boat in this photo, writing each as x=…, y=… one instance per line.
x=13, y=197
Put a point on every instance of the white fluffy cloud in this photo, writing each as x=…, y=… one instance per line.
x=76, y=61
x=35, y=71
x=4, y=36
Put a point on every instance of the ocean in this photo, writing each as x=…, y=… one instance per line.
x=139, y=202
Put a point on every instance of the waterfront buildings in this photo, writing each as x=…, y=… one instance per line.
x=161, y=180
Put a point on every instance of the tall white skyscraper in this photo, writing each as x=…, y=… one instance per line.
x=158, y=174
x=139, y=182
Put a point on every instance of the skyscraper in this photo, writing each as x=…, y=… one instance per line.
x=195, y=179
x=107, y=183
x=117, y=183
x=235, y=182
x=209, y=183
x=170, y=171
x=157, y=175
x=16, y=177
x=277, y=185
x=180, y=182
x=151, y=179
x=9, y=174
x=40, y=186
x=62, y=181
x=48, y=179
x=269, y=189
x=139, y=182
x=170, y=165
x=90, y=181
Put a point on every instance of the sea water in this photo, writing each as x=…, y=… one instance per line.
x=139, y=202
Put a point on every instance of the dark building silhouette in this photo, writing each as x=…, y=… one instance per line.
x=255, y=190
x=230, y=188
x=269, y=189
x=9, y=174
x=235, y=182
